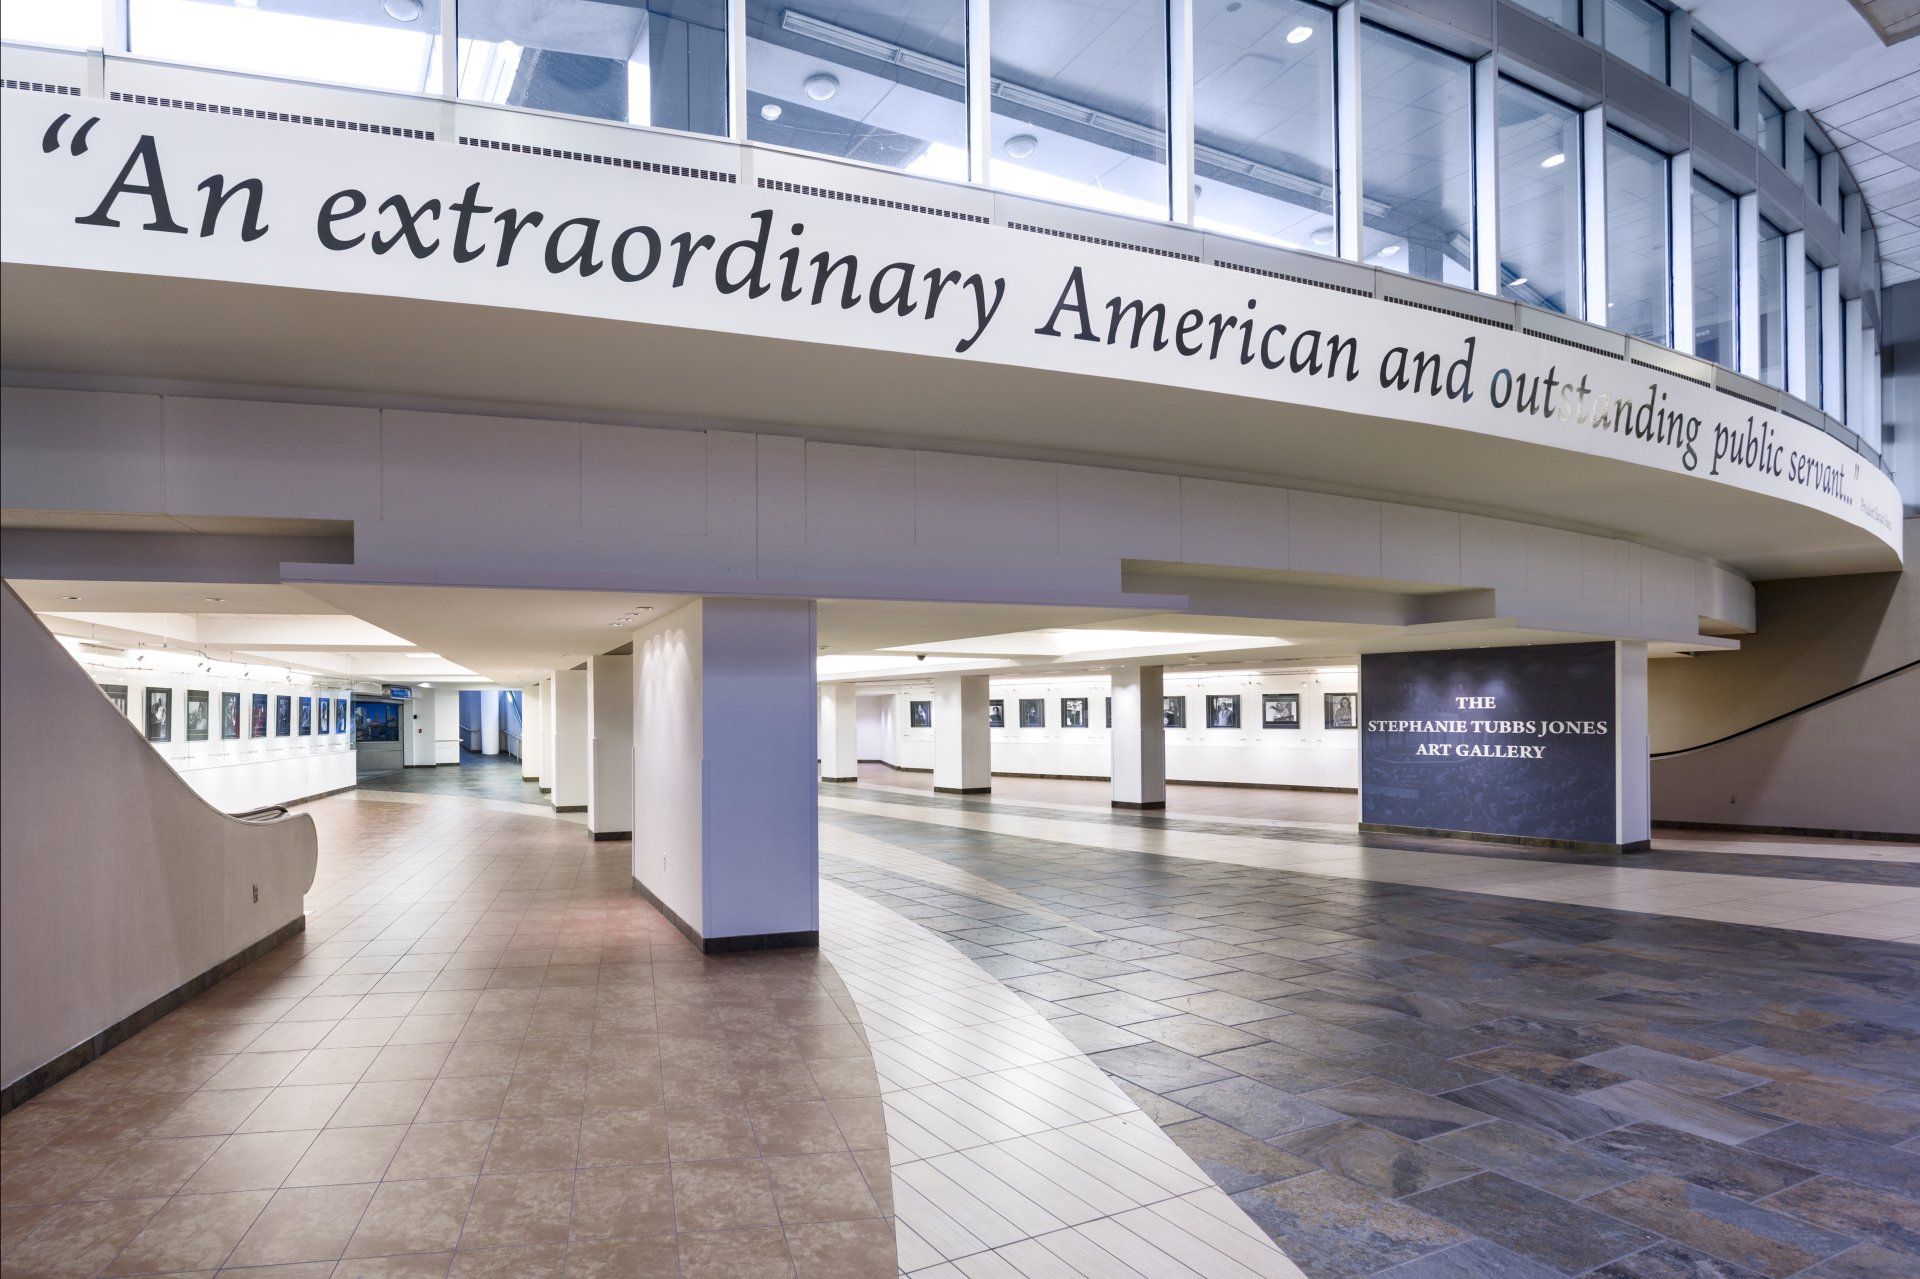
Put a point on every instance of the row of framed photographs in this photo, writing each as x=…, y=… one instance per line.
x=1277, y=710
x=158, y=705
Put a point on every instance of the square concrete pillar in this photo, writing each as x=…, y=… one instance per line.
x=610, y=746
x=962, y=751
x=726, y=836
x=533, y=732
x=839, y=734
x=545, y=729
x=1633, y=800
x=567, y=748
x=1139, y=738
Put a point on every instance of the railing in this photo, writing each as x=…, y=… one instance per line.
x=1798, y=710
x=510, y=744
x=470, y=738
x=271, y=813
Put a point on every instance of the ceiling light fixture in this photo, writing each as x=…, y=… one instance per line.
x=1323, y=236
x=1554, y=161
x=770, y=110
x=821, y=85
x=1021, y=145
x=1390, y=251
x=1514, y=284
x=1299, y=35
x=402, y=10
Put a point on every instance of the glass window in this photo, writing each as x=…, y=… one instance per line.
x=1416, y=144
x=1539, y=141
x=394, y=47
x=1715, y=84
x=1716, y=274
x=61, y=22
x=1263, y=121
x=653, y=62
x=1639, y=263
x=870, y=82
x=1773, y=128
x=1773, y=304
x=1637, y=34
x=1080, y=102
x=1562, y=13
x=1810, y=167
x=1816, y=338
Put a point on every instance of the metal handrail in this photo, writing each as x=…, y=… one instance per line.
x=272, y=812
x=1798, y=710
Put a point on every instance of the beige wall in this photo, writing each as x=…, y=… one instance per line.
x=118, y=883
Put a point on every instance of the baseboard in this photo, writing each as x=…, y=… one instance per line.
x=1090, y=777
x=1141, y=804
x=43, y=1077
x=1523, y=841
x=962, y=790
x=839, y=779
x=546, y=790
x=1814, y=832
x=569, y=808
x=727, y=945
x=898, y=768
x=612, y=834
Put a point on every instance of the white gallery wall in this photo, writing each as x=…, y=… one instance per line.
x=247, y=772
x=1311, y=755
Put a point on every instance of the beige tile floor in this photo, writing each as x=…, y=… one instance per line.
x=486, y=1056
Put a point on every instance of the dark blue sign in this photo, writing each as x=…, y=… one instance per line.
x=1492, y=741
x=397, y=693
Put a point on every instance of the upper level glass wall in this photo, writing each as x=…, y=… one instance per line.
x=394, y=47
x=1639, y=240
x=1773, y=304
x=661, y=63
x=1816, y=311
x=1773, y=129
x=1636, y=33
x=1714, y=81
x=1416, y=158
x=1716, y=274
x=862, y=80
x=1080, y=102
x=1263, y=121
x=1562, y=13
x=1539, y=231
x=59, y=22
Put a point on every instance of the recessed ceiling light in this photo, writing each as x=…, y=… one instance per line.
x=820, y=86
x=402, y=10
x=1554, y=161
x=1299, y=35
x=1514, y=284
x=1021, y=145
x=770, y=110
x=1323, y=236
x=1390, y=250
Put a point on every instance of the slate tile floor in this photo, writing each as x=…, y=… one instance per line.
x=1417, y=1083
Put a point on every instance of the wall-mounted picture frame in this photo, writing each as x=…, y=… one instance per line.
x=323, y=715
x=199, y=715
x=283, y=715
x=919, y=714
x=306, y=717
x=1173, y=711
x=258, y=725
x=1109, y=712
x=1033, y=712
x=340, y=716
x=1223, y=710
x=1073, y=712
x=229, y=716
x=117, y=694
x=1342, y=710
x=996, y=714
x=159, y=703
x=1279, y=710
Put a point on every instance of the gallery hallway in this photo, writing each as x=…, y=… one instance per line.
x=1100, y=1045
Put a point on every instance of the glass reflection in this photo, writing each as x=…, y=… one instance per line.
x=1637, y=34
x=59, y=22
x=1416, y=141
x=1713, y=80
x=1539, y=141
x=393, y=47
x=1638, y=258
x=1716, y=274
x=1263, y=111
x=654, y=62
x=1773, y=304
x=1080, y=103
x=1816, y=339
x=862, y=80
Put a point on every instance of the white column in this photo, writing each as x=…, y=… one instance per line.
x=1347, y=178
x=1593, y=210
x=839, y=733
x=1680, y=205
x=489, y=721
x=1633, y=801
x=610, y=746
x=979, y=94
x=1180, y=162
x=1486, y=174
x=1139, y=738
x=962, y=755
x=728, y=841
x=545, y=729
x=1797, y=335
x=569, y=793
x=533, y=736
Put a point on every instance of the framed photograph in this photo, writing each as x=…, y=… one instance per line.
x=1343, y=710
x=159, y=714
x=1073, y=712
x=198, y=715
x=259, y=726
x=1279, y=710
x=229, y=716
x=1173, y=712
x=996, y=714
x=117, y=694
x=1033, y=712
x=340, y=716
x=1223, y=710
x=323, y=715
x=306, y=717
x=1109, y=712
x=919, y=714
x=283, y=715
